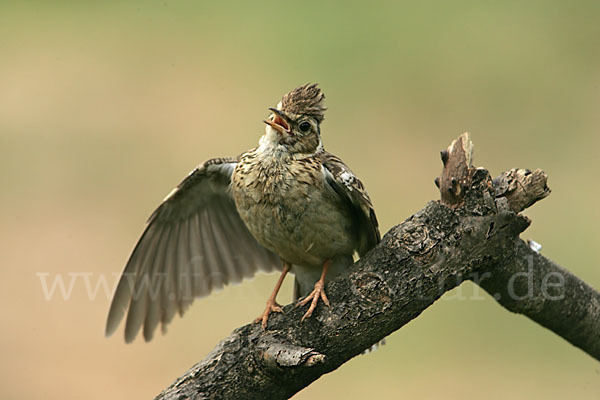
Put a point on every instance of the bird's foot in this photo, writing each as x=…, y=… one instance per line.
x=314, y=296
x=272, y=306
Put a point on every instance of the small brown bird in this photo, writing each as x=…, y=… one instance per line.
x=287, y=204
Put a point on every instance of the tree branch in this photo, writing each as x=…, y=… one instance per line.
x=472, y=233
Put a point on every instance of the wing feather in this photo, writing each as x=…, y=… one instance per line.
x=223, y=248
x=237, y=263
x=214, y=274
x=169, y=294
x=352, y=193
x=185, y=277
x=244, y=255
x=199, y=258
x=194, y=242
x=137, y=307
x=155, y=283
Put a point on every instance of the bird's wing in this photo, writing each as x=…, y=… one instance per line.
x=195, y=242
x=352, y=193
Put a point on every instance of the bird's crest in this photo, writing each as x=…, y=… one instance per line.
x=307, y=100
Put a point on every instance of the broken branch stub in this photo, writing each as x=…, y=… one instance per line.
x=457, y=172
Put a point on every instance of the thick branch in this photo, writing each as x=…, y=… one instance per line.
x=530, y=284
x=472, y=233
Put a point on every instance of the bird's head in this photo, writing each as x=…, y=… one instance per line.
x=295, y=122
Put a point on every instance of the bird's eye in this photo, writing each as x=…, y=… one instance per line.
x=304, y=126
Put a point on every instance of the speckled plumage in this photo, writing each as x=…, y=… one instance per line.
x=286, y=199
x=301, y=202
x=306, y=100
x=283, y=200
x=292, y=210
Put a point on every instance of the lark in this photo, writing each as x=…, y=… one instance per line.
x=285, y=205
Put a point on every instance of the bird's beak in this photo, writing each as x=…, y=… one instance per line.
x=278, y=122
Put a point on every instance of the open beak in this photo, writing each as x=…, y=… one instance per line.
x=278, y=122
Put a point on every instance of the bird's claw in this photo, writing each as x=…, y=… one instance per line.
x=272, y=306
x=314, y=296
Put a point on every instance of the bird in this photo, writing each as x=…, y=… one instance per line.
x=287, y=205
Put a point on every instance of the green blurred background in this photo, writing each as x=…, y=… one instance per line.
x=106, y=106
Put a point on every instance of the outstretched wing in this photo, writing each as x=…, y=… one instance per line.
x=352, y=193
x=195, y=242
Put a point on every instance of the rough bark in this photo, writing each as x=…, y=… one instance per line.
x=472, y=233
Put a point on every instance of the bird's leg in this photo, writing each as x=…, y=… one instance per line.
x=272, y=305
x=318, y=292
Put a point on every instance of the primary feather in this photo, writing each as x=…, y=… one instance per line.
x=194, y=243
